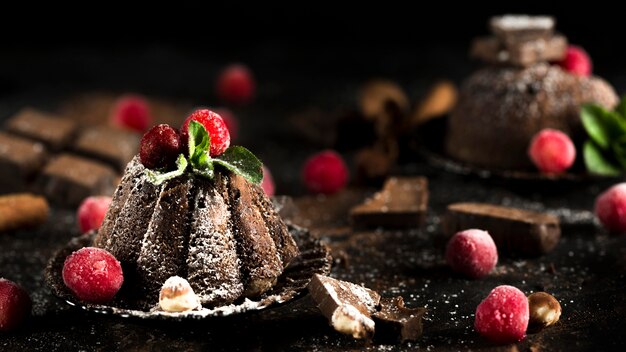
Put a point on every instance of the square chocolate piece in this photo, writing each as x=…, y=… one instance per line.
x=69, y=179
x=347, y=306
x=513, y=230
x=402, y=203
x=526, y=53
x=55, y=132
x=110, y=145
x=20, y=160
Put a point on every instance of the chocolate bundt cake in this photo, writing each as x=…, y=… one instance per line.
x=221, y=234
x=502, y=106
x=500, y=109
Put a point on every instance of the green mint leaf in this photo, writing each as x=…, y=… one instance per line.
x=199, y=146
x=621, y=108
x=596, y=163
x=157, y=177
x=199, y=139
x=592, y=117
x=242, y=162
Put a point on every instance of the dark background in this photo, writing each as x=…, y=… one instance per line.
x=176, y=50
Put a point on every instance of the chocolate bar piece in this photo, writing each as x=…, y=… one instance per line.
x=110, y=145
x=396, y=323
x=492, y=50
x=347, y=306
x=401, y=203
x=22, y=210
x=69, y=179
x=55, y=132
x=20, y=160
x=513, y=230
x=517, y=28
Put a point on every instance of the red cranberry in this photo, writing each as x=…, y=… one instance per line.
x=91, y=212
x=93, y=274
x=235, y=84
x=268, y=182
x=230, y=120
x=132, y=112
x=215, y=127
x=503, y=316
x=552, y=151
x=325, y=172
x=15, y=305
x=576, y=61
x=610, y=208
x=160, y=147
x=472, y=253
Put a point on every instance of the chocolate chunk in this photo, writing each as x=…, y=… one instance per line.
x=55, y=132
x=69, y=179
x=513, y=230
x=396, y=323
x=20, y=160
x=492, y=50
x=347, y=306
x=110, y=145
x=402, y=203
x=517, y=28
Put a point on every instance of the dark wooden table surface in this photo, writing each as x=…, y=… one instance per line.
x=586, y=271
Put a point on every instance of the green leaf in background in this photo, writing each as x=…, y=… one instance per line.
x=621, y=108
x=596, y=163
x=242, y=162
x=157, y=177
x=619, y=150
x=593, y=120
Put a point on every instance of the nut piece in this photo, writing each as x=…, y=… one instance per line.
x=440, y=100
x=177, y=296
x=545, y=310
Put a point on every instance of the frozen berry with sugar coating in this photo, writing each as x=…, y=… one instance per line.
x=132, y=112
x=15, y=305
x=325, y=172
x=91, y=212
x=215, y=127
x=576, y=61
x=502, y=317
x=552, y=151
x=610, y=208
x=235, y=84
x=472, y=253
x=268, y=182
x=160, y=147
x=230, y=120
x=93, y=274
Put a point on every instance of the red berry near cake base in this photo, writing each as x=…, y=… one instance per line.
x=15, y=305
x=610, y=208
x=93, y=274
x=503, y=316
x=502, y=106
x=91, y=212
x=207, y=221
x=552, y=151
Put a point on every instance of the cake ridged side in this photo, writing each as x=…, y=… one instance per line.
x=285, y=244
x=163, y=250
x=260, y=262
x=212, y=262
